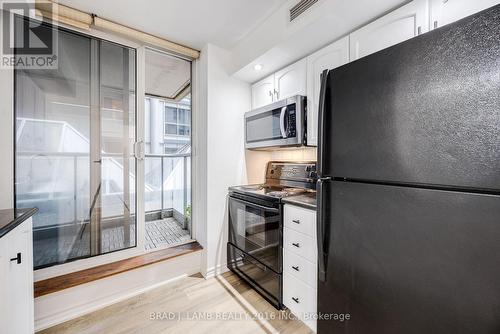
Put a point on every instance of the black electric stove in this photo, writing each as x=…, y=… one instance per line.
x=255, y=239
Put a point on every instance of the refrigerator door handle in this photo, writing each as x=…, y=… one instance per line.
x=321, y=229
x=321, y=121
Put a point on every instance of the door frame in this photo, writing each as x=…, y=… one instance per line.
x=198, y=132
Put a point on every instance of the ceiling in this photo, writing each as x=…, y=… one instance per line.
x=276, y=43
x=189, y=22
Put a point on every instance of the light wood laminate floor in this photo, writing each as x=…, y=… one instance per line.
x=190, y=298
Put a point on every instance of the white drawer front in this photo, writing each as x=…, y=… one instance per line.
x=299, y=267
x=300, y=299
x=299, y=219
x=300, y=244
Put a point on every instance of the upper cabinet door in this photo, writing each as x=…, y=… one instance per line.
x=291, y=80
x=262, y=92
x=330, y=57
x=444, y=12
x=404, y=23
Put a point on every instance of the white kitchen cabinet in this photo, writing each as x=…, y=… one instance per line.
x=16, y=280
x=330, y=57
x=300, y=262
x=301, y=299
x=263, y=92
x=287, y=82
x=399, y=25
x=291, y=80
x=444, y=12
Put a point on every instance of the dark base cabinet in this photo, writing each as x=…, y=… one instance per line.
x=262, y=278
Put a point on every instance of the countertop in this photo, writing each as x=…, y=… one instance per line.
x=307, y=200
x=11, y=218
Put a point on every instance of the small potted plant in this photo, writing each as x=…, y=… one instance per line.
x=187, y=216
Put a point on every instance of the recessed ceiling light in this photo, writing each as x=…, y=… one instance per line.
x=257, y=67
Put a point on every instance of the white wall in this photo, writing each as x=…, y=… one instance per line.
x=226, y=100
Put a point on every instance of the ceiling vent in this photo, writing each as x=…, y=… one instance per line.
x=300, y=8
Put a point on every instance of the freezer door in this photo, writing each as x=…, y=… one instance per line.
x=424, y=111
x=410, y=260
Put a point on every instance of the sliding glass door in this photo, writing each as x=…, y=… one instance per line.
x=167, y=137
x=74, y=137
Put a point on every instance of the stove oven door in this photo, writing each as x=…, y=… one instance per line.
x=255, y=228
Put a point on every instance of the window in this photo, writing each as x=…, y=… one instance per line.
x=177, y=119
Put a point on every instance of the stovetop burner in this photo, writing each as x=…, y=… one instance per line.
x=283, y=179
x=265, y=190
x=286, y=192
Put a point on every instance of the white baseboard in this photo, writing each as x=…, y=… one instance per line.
x=61, y=306
x=214, y=271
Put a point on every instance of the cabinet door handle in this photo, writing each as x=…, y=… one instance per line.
x=296, y=268
x=17, y=258
x=296, y=244
x=296, y=299
x=296, y=221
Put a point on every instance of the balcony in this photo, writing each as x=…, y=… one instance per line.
x=167, y=199
x=58, y=184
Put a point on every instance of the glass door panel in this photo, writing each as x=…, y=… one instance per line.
x=75, y=129
x=52, y=144
x=117, y=137
x=167, y=138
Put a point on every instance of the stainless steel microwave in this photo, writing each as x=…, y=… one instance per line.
x=280, y=124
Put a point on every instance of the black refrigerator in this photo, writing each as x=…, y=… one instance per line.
x=409, y=190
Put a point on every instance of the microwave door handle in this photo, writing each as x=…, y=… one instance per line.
x=282, y=122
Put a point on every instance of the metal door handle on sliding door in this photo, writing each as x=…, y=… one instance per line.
x=139, y=152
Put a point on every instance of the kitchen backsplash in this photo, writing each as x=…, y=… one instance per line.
x=256, y=161
x=298, y=154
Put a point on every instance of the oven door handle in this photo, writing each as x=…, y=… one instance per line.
x=282, y=123
x=255, y=205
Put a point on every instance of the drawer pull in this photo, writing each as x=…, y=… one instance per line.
x=17, y=258
x=296, y=244
x=296, y=221
x=296, y=268
x=295, y=299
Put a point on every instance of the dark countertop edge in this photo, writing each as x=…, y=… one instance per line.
x=304, y=205
x=17, y=221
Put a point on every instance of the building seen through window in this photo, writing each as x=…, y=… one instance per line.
x=173, y=119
